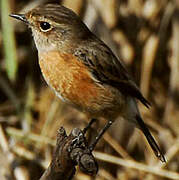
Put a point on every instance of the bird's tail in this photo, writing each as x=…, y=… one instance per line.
x=150, y=139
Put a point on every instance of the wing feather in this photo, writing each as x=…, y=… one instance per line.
x=106, y=68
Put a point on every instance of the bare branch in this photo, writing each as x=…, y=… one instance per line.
x=70, y=151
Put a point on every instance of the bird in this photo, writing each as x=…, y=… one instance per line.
x=83, y=71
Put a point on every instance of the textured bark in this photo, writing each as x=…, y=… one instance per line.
x=70, y=151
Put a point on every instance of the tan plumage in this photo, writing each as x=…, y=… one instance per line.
x=72, y=81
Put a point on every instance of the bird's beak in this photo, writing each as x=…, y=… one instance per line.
x=19, y=17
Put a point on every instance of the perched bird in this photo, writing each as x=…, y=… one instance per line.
x=82, y=70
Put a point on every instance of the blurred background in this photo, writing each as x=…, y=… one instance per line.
x=145, y=35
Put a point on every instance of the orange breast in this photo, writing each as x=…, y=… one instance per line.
x=70, y=79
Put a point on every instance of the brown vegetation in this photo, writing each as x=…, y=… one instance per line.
x=145, y=35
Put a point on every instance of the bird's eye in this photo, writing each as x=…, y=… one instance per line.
x=45, y=26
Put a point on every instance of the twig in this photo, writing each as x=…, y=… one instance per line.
x=116, y=146
x=3, y=143
x=172, y=102
x=149, y=54
x=135, y=165
x=31, y=136
x=70, y=151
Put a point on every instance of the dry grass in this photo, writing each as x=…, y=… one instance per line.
x=145, y=34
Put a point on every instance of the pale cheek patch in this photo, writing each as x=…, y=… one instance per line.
x=42, y=42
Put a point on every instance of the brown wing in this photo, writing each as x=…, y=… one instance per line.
x=106, y=68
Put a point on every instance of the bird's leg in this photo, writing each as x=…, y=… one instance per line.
x=88, y=126
x=98, y=137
